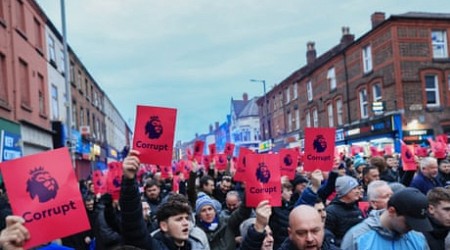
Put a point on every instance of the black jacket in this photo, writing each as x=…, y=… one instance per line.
x=436, y=238
x=279, y=222
x=341, y=217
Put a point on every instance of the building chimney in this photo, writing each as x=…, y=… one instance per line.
x=245, y=97
x=377, y=18
x=310, y=53
x=347, y=38
x=210, y=128
x=217, y=126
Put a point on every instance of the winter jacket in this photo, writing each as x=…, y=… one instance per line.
x=370, y=234
x=135, y=232
x=341, y=217
x=436, y=238
x=444, y=178
x=279, y=222
x=424, y=184
x=223, y=238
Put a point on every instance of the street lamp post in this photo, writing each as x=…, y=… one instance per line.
x=266, y=108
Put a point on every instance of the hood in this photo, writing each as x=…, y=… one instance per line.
x=373, y=221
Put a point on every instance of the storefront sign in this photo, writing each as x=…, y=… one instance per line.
x=9, y=146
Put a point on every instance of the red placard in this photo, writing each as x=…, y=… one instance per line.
x=356, y=149
x=263, y=181
x=439, y=148
x=408, y=159
x=374, y=151
x=221, y=162
x=420, y=151
x=166, y=172
x=288, y=162
x=176, y=184
x=212, y=150
x=229, y=149
x=319, y=148
x=153, y=134
x=43, y=189
x=198, y=150
x=99, y=181
x=114, y=179
x=388, y=149
x=241, y=163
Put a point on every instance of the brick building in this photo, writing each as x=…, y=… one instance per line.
x=391, y=84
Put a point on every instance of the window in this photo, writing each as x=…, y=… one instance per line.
x=86, y=87
x=79, y=80
x=82, y=122
x=3, y=81
x=432, y=90
x=72, y=72
x=62, y=61
x=24, y=84
x=297, y=119
x=287, y=95
x=308, y=119
x=74, y=115
x=309, y=91
x=376, y=89
x=51, y=50
x=315, y=118
x=439, y=43
x=367, y=59
x=330, y=115
x=339, y=112
x=2, y=11
x=55, y=107
x=95, y=99
x=289, y=122
x=363, y=104
x=41, y=91
x=448, y=81
x=88, y=117
x=295, y=86
x=331, y=77
x=38, y=34
x=20, y=16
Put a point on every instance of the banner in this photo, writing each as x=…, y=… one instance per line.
x=229, y=149
x=263, y=180
x=288, y=162
x=153, y=134
x=198, y=151
x=221, y=162
x=319, y=148
x=241, y=164
x=43, y=189
x=408, y=158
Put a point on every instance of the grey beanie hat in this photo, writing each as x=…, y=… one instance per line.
x=345, y=184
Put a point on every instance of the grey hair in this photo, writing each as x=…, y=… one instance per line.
x=427, y=161
x=372, y=193
x=235, y=193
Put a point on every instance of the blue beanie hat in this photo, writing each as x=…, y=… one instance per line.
x=204, y=200
x=358, y=161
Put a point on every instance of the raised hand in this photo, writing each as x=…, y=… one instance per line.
x=131, y=164
x=15, y=234
x=263, y=213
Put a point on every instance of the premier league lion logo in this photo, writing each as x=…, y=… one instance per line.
x=287, y=160
x=42, y=185
x=153, y=128
x=320, y=144
x=263, y=173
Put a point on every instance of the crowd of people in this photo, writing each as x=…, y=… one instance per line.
x=363, y=203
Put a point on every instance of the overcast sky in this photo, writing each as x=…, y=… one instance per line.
x=195, y=55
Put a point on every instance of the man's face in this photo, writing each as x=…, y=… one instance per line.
x=152, y=192
x=268, y=240
x=384, y=193
x=398, y=224
x=307, y=233
x=392, y=162
x=372, y=175
x=225, y=186
x=445, y=168
x=354, y=194
x=232, y=203
x=177, y=227
x=209, y=187
x=441, y=212
x=431, y=170
x=321, y=209
x=145, y=210
x=207, y=214
x=89, y=205
x=300, y=187
x=286, y=194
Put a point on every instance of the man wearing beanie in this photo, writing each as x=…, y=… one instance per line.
x=343, y=212
x=219, y=228
x=396, y=227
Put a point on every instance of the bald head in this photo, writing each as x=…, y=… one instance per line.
x=306, y=229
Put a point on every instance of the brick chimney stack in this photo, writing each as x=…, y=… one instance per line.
x=210, y=128
x=311, y=54
x=347, y=38
x=377, y=18
x=245, y=97
x=217, y=126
